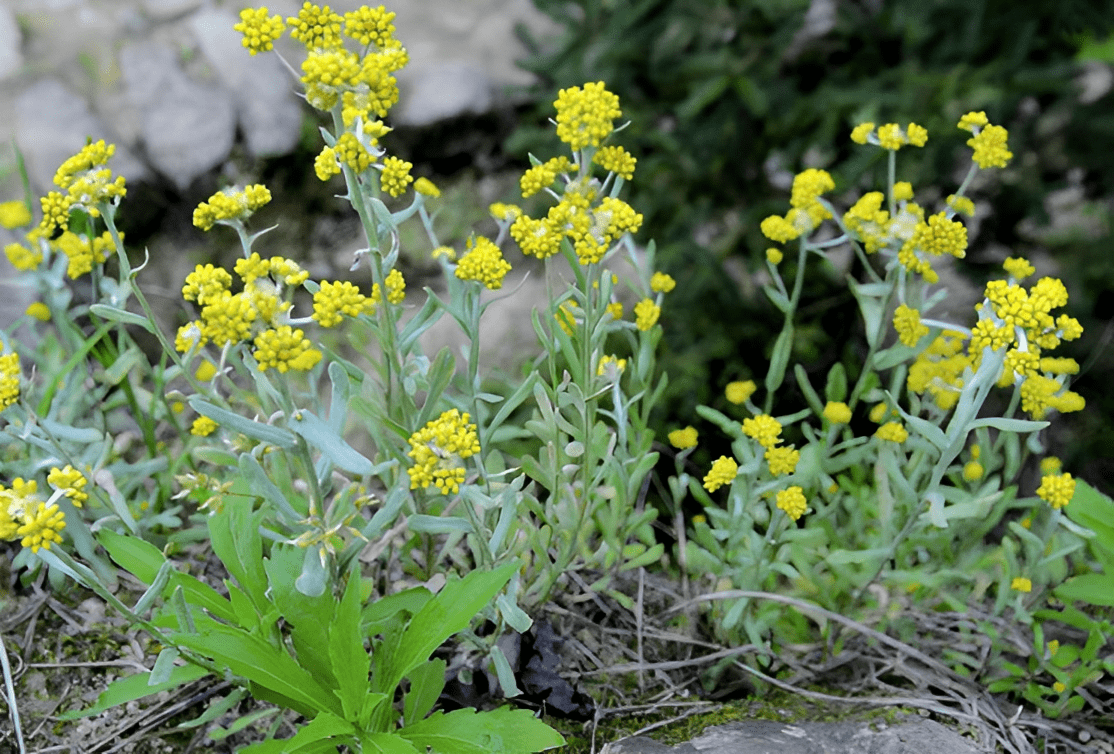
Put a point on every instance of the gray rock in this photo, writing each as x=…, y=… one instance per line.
x=11, y=58
x=52, y=124
x=167, y=10
x=189, y=131
x=187, y=128
x=269, y=113
x=445, y=90
x=768, y=737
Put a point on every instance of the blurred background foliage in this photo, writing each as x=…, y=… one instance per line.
x=728, y=99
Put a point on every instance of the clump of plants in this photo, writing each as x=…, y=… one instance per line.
x=367, y=506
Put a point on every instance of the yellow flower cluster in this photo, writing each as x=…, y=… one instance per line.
x=438, y=449
x=837, y=412
x=14, y=215
x=259, y=30
x=361, y=82
x=203, y=426
x=230, y=206
x=646, y=314
x=792, y=501
x=590, y=222
x=542, y=176
x=24, y=517
x=1021, y=584
x=662, y=283
x=10, y=374
x=740, y=391
x=83, y=253
x=333, y=300
x=315, y=26
x=426, y=187
x=483, y=262
x=723, y=472
x=1056, y=489
x=617, y=160
x=86, y=179
x=22, y=258
x=683, y=439
x=907, y=322
x=867, y=220
x=370, y=26
x=586, y=116
x=939, y=369
x=396, y=288
x=396, y=176
x=228, y=317
x=763, y=428
x=892, y=432
x=806, y=210
x=1011, y=316
x=782, y=460
x=72, y=483
x=284, y=348
x=890, y=136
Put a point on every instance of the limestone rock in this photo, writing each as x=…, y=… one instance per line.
x=269, y=113
x=53, y=123
x=187, y=128
x=764, y=736
x=11, y=59
x=437, y=92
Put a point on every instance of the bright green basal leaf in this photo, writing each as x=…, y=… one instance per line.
x=133, y=687
x=350, y=661
x=500, y=731
x=264, y=664
x=137, y=556
x=234, y=532
x=386, y=743
x=1092, y=509
x=450, y=611
x=385, y=609
x=201, y=595
x=1094, y=588
x=324, y=728
x=307, y=615
x=427, y=681
x=322, y=437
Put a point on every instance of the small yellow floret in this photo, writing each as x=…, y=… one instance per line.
x=484, y=263
x=1056, y=489
x=740, y=391
x=646, y=314
x=893, y=432
x=837, y=412
x=763, y=428
x=683, y=439
x=723, y=472
x=662, y=283
x=793, y=502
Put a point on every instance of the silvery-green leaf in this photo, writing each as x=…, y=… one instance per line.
x=236, y=423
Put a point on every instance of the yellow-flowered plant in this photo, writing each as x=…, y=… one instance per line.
x=301, y=428
x=847, y=508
